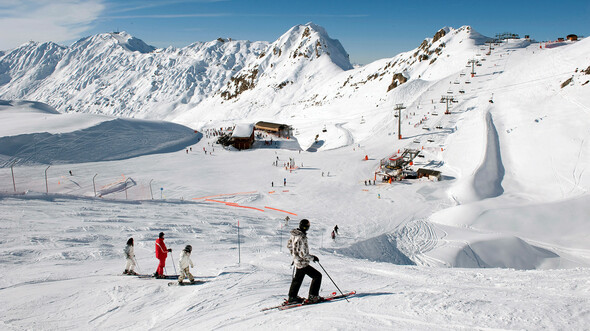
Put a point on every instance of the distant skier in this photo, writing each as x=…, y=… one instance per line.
x=336, y=229
x=161, y=255
x=130, y=256
x=185, y=264
x=284, y=182
x=299, y=249
x=333, y=235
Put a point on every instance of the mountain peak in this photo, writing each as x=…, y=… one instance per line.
x=312, y=41
x=120, y=39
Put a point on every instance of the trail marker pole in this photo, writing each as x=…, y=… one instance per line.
x=280, y=237
x=239, y=252
x=94, y=184
x=126, y=189
x=151, y=193
x=46, y=186
x=161, y=192
x=12, y=171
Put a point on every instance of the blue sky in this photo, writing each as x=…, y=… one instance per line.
x=368, y=30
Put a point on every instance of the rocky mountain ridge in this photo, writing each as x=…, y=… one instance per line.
x=118, y=74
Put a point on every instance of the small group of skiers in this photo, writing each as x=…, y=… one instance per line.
x=297, y=245
x=334, y=232
x=162, y=251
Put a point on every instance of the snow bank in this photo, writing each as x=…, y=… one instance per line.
x=79, y=138
x=382, y=248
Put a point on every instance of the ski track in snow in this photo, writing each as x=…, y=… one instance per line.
x=389, y=296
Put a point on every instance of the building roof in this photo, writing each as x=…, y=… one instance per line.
x=270, y=125
x=428, y=172
x=243, y=131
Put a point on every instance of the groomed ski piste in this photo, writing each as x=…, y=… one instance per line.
x=501, y=242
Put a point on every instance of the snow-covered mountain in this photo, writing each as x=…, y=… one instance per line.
x=117, y=74
x=500, y=242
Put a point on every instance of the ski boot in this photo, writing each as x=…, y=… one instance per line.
x=133, y=273
x=314, y=299
x=126, y=272
x=293, y=300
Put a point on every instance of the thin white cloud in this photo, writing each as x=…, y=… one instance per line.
x=138, y=5
x=165, y=16
x=46, y=20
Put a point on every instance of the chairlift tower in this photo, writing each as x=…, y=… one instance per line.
x=490, y=42
x=399, y=108
x=473, y=62
x=448, y=99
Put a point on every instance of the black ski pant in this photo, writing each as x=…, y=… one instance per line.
x=316, y=281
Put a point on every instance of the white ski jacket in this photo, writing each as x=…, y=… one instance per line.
x=129, y=252
x=299, y=249
x=185, y=260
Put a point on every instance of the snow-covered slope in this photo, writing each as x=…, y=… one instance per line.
x=513, y=197
x=34, y=133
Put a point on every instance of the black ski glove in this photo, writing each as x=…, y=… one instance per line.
x=169, y=249
x=315, y=258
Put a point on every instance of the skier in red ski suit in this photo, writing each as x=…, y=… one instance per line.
x=161, y=254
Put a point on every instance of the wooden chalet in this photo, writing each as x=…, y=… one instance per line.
x=243, y=136
x=281, y=130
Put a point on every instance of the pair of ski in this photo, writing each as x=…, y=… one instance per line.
x=162, y=277
x=194, y=282
x=169, y=277
x=332, y=297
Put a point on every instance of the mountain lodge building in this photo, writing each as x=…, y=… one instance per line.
x=243, y=136
x=281, y=130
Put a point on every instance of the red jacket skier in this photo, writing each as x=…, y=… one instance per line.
x=161, y=254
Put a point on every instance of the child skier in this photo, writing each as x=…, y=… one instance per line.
x=130, y=255
x=185, y=263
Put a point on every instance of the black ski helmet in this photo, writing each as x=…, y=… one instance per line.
x=304, y=225
x=161, y=235
x=188, y=248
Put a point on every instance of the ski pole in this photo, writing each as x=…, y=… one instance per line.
x=332, y=281
x=173, y=264
x=137, y=264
